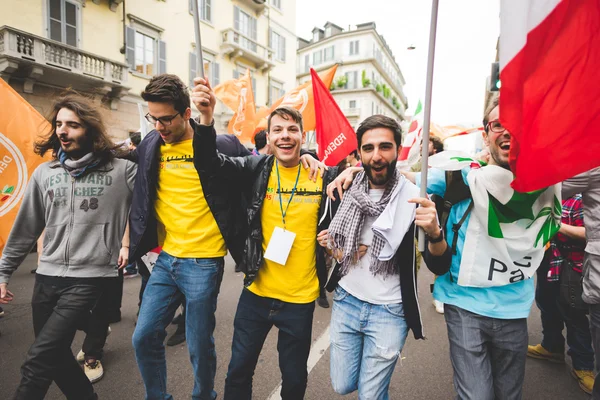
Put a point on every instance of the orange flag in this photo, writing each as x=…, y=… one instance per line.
x=302, y=99
x=20, y=124
x=237, y=95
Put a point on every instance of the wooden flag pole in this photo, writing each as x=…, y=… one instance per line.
x=427, y=111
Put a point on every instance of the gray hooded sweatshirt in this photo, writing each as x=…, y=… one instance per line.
x=84, y=219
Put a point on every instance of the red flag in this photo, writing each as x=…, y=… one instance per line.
x=335, y=136
x=550, y=96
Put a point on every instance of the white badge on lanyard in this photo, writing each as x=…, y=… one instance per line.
x=280, y=245
x=281, y=242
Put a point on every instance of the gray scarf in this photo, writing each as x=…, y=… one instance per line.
x=346, y=226
x=77, y=168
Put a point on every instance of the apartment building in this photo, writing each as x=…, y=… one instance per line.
x=110, y=49
x=368, y=80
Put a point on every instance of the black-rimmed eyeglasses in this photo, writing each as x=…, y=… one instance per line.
x=165, y=121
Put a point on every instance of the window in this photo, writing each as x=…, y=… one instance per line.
x=354, y=47
x=329, y=53
x=277, y=43
x=63, y=23
x=317, y=57
x=204, y=9
x=276, y=4
x=307, y=63
x=276, y=90
x=145, y=53
x=211, y=70
x=351, y=80
x=352, y=104
x=246, y=25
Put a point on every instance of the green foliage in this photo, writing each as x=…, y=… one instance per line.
x=365, y=81
x=341, y=81
x=378, y=88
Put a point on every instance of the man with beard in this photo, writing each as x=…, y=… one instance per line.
x=372, y=236
x=487, y=325
x=81, y=198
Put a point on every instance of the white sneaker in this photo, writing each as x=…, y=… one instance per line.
x=439, y=306
x=93, y=371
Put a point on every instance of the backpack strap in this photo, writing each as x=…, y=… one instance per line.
x=456, y=227
x=456, y=191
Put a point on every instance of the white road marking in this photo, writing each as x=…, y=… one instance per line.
x=317, y=351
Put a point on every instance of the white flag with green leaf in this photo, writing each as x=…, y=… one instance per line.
x=507, y=231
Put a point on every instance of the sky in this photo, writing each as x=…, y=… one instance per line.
x=467, y=34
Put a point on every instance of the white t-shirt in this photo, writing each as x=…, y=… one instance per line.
x=359, y=281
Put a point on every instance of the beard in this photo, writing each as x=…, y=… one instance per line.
x=381, y=179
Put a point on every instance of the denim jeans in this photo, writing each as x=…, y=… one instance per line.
x=58, y=306
x=366, y=341
x=555, y=315
x=487, y=354
x=253, y=320
x=172, y=279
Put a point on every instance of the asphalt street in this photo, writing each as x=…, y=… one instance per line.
x=424, y=371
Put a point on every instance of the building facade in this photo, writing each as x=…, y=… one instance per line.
x=110, y=49
x=368, y=80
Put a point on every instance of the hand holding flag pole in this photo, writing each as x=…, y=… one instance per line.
x=199, y=58
x=427, y=112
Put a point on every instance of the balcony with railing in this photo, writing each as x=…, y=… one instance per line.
x=36, y=58
x=237, y=45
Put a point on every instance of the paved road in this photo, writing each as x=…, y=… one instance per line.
x=424, y=372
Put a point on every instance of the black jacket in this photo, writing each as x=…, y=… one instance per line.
x=223, y=199
x=251, y=175
x=405, y=260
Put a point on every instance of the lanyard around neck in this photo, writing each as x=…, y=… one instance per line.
x=284, y=213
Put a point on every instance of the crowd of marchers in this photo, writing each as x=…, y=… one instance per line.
x=296, y=229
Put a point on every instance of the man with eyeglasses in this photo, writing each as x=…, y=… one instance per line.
x=195, y=219
x=487, y=326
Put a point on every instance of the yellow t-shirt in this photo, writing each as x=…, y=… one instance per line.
x=189, y=229
x=296, y=281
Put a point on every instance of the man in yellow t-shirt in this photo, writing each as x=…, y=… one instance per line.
x=177, y=205
x=282, y=262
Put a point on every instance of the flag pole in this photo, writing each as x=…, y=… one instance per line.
x=199, y=58
x=427, y=111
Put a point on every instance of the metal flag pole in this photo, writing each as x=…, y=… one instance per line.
x=199, y=58
x=427, y=111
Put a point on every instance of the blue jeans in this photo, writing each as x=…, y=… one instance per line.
x=366, y=341
x=487, y=354
x=555, y=316
x=195, y=281
x=254, y=318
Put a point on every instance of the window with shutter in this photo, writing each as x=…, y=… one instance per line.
x=63, y=21
x=204, y=9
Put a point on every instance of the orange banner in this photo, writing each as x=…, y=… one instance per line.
x=20, y=124
x=237, y=95
x=300, y=98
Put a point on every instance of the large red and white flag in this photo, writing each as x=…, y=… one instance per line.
x=550, y=95
x=335, y=136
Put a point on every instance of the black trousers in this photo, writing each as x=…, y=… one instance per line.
x=97, y=327
x=58, y=306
